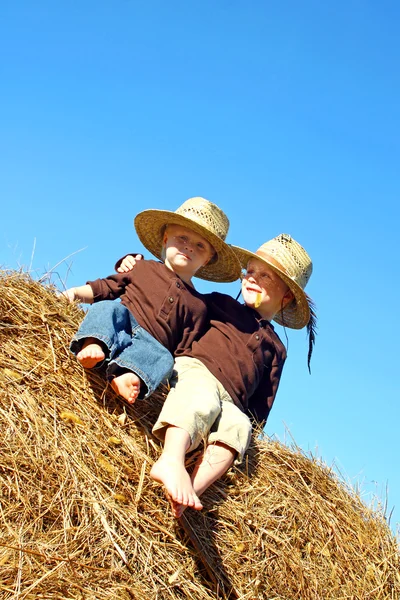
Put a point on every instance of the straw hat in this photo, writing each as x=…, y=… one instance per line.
x=293, y=265
x=203, y=217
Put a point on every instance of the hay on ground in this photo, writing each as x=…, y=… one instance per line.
x=81, y=519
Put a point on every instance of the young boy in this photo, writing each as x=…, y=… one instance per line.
x=233, y=371
x=160, y=313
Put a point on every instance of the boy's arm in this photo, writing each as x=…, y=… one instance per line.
x=83, y=293
x=105, y=288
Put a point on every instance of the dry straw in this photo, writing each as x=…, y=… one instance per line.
x=80, y=518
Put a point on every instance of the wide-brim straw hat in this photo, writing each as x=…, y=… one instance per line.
x=203, y=217
x=288, y=259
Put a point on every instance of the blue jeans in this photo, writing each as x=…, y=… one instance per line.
x=130, y=347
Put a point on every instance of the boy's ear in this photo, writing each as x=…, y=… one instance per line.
x=211, y=259
x=164, y=233
x=287, y=298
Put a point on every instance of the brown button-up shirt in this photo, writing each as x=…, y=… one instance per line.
x=243, y=352
x=173, y=312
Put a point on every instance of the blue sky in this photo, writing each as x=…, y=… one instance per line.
x=285, y=114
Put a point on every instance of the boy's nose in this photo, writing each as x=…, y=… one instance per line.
x=188, y=246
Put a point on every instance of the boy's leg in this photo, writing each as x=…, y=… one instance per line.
x=170, y=470
x=105, y=330
x=214, y=462
x=210, y=466
x=139, y=368
x=105, y=333
x=229, y=438
x=134, y=357
x=190, y=409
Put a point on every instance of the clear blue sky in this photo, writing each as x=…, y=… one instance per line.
x=286, y=114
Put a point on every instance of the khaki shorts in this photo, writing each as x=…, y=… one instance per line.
x=200, y=405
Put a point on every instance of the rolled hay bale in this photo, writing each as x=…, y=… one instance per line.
x=81, y=519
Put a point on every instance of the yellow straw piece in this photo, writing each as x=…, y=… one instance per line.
x=70, y=417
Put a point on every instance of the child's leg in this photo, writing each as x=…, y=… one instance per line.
x=109, y=331
x=190, y=409
x=170, y=470
x=228, y=440
x=139, y=367
x=105, y=331
x=210, y=466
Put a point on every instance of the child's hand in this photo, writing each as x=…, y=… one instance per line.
x=70, y=295
x=83, y=293
x=128, y=263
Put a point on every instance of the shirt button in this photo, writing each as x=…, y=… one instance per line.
x=257, y=337
x=178, y=285
x=171, y=299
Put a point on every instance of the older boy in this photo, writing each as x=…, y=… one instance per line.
x=160, y=312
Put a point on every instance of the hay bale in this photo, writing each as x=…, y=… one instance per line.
x=81, y=519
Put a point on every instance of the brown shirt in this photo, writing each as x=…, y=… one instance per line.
x=243, y=352
x=174, y=313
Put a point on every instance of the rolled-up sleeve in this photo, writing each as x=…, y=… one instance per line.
x=109, y=288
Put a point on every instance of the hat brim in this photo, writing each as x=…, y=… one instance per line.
x=149, y=225
x=296, y=314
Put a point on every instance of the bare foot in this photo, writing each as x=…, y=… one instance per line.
x=127, y=385
x=176, y=480
x=91, y=353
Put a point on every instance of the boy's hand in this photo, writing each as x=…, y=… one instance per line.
x=83, y=293
x=128, y=263
x=70, y=295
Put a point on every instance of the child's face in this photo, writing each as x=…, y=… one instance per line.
x=263, y=290
x=186, y=251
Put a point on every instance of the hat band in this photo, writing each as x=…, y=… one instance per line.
x=272, y=260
